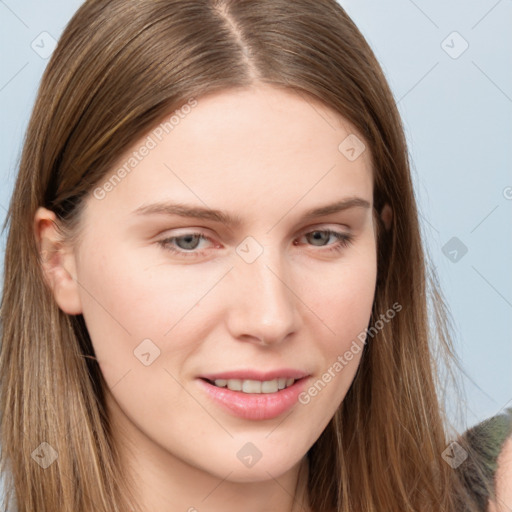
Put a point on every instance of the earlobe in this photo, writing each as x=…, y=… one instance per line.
x=386, y=216
x=58, y=263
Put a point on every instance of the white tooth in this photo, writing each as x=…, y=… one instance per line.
x=255, y=386
x=251, y=386
x=269, y=386
x=235, y=384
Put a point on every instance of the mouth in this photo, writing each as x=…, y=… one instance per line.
x=254, y=395
x=252, y=386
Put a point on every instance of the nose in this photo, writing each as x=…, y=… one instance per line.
x=263, y=304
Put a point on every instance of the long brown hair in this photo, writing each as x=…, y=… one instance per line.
x=119, y=67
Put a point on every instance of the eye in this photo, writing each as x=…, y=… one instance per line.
x=186, y=244
x=343, y=240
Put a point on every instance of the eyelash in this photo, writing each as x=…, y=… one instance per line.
x=343, y=242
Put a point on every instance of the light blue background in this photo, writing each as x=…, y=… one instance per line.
x=458, y=117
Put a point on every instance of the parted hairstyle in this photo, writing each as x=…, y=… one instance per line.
x=119, y=67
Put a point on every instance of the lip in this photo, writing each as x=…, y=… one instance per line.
x=287, y=373
x=253, y=406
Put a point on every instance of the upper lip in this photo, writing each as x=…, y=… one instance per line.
x=249, y=374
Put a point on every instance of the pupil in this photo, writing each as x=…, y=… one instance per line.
x=317, y=235
x=189, y=239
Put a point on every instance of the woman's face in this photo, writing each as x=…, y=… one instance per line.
x=241, y=284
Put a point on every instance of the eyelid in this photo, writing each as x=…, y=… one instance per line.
x=203, y=232
x=325, y=226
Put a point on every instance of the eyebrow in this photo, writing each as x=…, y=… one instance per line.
x=197, y=212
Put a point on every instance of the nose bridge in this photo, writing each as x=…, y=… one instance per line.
x=264, y=305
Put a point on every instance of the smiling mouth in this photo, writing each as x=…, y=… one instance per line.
x=254, y=386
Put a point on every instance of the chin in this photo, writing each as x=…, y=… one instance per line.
x=256, y=470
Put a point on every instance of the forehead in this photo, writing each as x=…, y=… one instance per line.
x=261, y=116
x=263, y=146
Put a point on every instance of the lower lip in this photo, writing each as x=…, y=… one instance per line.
x=255, y=406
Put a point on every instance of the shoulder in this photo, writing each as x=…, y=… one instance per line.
x=487, y=470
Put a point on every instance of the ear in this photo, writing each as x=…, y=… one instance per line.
x=58, y=262
x=386, y=216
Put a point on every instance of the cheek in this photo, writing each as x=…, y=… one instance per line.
x=343, y=300
x=343, y=295
x=128, y=300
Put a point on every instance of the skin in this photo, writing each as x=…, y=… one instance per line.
x=267, y=155
x=503, y=480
